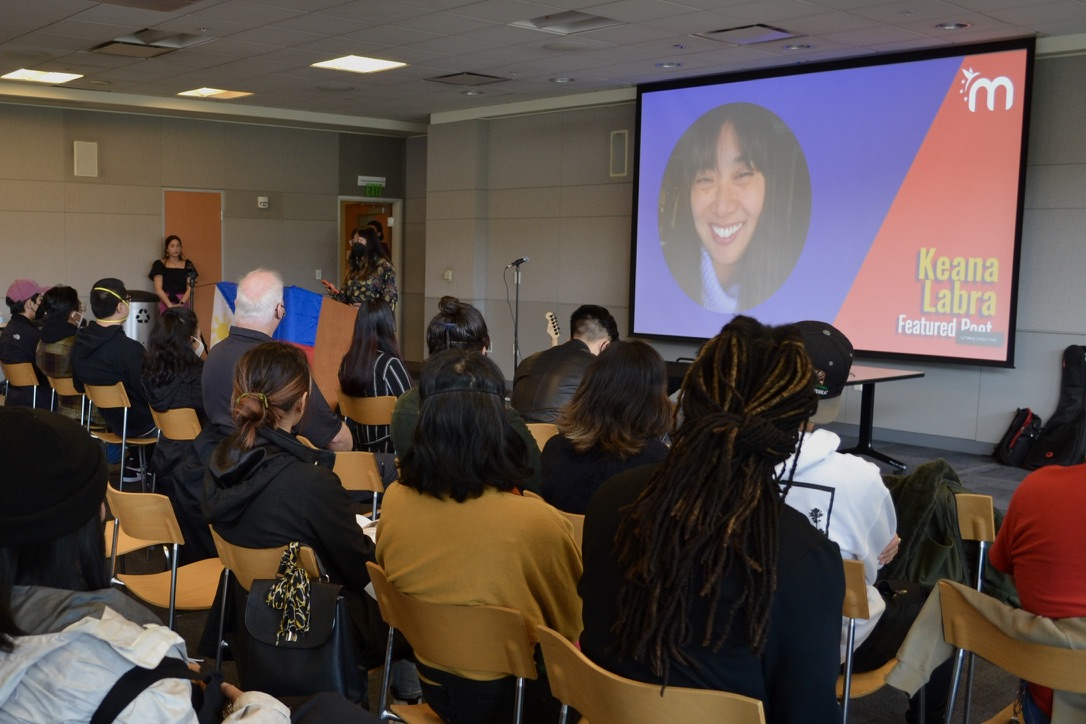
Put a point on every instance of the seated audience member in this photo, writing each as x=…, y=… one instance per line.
x=373, y=367
x=258, y=310
x=104, y=355
x=171, y=379
x=695, y=572
x=456, y=530
x=841, y=495
x=63, y=313
x=457, y=325
x=1042, y=543
x=19, y=341
x=614, y=422
x=546, y=380
x=844, y=497
x=264, y=488
x=66, y=637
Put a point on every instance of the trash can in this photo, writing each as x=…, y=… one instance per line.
x=142, y=315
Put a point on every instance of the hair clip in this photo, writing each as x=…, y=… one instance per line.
x=259, y=395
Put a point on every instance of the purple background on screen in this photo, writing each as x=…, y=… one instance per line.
x=859, y=130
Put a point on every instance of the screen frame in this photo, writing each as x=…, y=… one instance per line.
x=1027, y=44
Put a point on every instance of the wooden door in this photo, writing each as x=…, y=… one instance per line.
x=357, y=214
x=196, y=216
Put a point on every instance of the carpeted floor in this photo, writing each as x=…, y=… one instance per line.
x=993, y=688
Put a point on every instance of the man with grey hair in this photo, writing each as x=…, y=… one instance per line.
x=258, y=310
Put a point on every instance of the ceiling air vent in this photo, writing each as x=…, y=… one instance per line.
x=465, y=79
x=748, y=34
x=150, y=43
x=567, y=23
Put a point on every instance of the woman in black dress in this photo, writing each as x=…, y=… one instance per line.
x=171, y=275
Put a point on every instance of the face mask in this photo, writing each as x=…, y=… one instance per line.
x=199, y=348
x=76, y=319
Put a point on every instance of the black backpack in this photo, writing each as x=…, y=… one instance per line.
x=1019, y=438
x=1063, y=440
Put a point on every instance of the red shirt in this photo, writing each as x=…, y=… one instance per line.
x=1042, y=543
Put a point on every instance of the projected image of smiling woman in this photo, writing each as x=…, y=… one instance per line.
x=734, y=207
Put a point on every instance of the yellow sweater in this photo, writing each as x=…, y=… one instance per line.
x=499, y=549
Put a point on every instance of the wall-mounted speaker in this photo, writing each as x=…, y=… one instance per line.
x=86, y=158
x=618, y=153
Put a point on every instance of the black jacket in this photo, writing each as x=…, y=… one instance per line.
x=282, y=491
x=547, y=379
x=19, y=343
x=106, y=356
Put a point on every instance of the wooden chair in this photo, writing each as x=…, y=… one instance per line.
x=357, y=470
x=65, y=387
x=542, y=431
x=976, y=522
x=21, y=374
x=180, y=423
x=481, y=638
x=249, y=564
x=606, y=698
x=108, y=397
x=966, y=628
x=574, y=518
x=150, y=517
x=367, y=410
x=854, y=685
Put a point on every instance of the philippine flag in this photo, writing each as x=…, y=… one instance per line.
x=321, y=327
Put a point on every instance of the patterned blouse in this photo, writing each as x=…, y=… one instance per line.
x=379, y=285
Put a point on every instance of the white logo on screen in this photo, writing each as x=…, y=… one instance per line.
x=972, y=85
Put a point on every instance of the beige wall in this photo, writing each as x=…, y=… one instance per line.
x=56, y=227
x=538, y=186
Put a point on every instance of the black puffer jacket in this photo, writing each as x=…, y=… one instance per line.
x=547, y=380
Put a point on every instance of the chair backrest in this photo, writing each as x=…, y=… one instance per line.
x=108, y=397
x=966, y=628
x=480, y=638
x=251, y=564
x=148, y=516
x=976, y=517
x=20, y=374
x=64, y=386
x=367, y=410
x=578, y=526
x=542, y=431
x=855, y=603
x=357, y=470
x=606, y=698
x=181, y=423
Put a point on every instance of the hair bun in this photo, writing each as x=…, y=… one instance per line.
x=449, y=305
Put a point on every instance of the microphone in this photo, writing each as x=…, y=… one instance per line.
x=517, y=262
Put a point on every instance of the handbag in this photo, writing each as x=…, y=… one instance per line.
x=323, y=659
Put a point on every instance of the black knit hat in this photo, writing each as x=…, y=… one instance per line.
x=54, y=477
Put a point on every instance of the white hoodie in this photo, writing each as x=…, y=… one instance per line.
x=844, y=497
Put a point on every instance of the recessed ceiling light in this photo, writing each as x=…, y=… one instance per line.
x=563, y=79
x=40, y=76
x=669, y=65
x=358, y=64
x=472, y=92
x=952, y=26
x=798, y=46
x=223, y=95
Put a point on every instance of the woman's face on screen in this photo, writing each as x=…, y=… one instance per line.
x=726, y=203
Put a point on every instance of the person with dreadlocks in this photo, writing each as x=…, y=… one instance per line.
x=696, y=573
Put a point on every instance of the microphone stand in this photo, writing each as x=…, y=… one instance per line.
x=516, y=320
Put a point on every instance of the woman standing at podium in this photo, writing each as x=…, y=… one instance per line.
x=173, y=275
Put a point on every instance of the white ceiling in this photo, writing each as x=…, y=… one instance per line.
x=266, y=47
